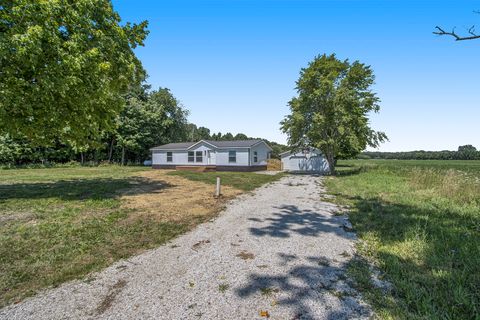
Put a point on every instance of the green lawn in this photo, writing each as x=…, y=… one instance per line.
x=419, y=222
x=245, y=181
x=59, y=224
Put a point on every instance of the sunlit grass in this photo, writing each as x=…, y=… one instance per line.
x=245, y=181
x=419, y=223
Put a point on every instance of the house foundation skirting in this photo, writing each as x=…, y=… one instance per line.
x=213, y=168
x=241, y=168
x=164, y=166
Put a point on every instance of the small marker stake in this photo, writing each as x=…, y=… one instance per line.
x=217, y=191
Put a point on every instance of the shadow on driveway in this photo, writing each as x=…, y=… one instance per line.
x=290, y=219
x=313, y=282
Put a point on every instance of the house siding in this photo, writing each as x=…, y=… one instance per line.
x=222, y=157
x=262, y=155
x=219, y=157
x=178, y=157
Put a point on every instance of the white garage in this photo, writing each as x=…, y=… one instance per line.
x=307, y=160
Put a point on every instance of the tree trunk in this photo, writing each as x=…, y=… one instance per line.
x=123, y=155
x=82, y=160
x=331, y=163
x=110, y=152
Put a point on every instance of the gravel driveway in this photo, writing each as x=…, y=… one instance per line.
x=277, y=252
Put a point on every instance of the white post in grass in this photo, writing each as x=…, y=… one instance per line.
x=217, y=191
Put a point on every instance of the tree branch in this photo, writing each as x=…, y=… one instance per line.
x=471, y=31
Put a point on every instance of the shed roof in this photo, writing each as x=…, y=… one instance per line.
x=295, y=152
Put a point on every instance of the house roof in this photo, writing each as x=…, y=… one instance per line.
x=174, y=146
x=285, y=153
x=234, y=143
x=217, y=144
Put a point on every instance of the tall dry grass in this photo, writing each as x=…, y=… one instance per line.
x=459, y=186
x=274, y=165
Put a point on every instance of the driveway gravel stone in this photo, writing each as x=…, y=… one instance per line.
x=278, y=252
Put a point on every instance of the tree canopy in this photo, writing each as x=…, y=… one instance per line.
x=157, y=119
x=467, y=148
x=331, y=110
x=65, y=66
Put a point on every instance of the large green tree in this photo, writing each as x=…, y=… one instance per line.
x=332, y=107
x=195, y=133
x=155, y=119
x=65, y=66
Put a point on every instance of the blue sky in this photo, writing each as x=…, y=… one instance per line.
x=234, y=63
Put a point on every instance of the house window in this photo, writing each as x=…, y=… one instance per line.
x=232, y=156
x=169, y=157
x=255, y=156
x=199, y=156
x=191, y=156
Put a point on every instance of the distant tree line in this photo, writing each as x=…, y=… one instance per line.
x=149, y=118
x=466, y=152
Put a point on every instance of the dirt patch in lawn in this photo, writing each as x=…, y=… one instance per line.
x=174, y=198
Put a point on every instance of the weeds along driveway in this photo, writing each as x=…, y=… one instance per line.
x=278, y=252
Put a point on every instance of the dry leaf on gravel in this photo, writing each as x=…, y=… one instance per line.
x=245, y=255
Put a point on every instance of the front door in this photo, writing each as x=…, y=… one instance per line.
x=211, y=157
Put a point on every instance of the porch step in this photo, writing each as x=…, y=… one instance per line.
x=197, y=168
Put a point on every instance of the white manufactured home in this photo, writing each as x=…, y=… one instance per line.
x=308, y=160
x=239, y=155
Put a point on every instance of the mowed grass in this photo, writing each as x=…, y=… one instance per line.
x=419, y=222
x=245, y=181
x=59, y=224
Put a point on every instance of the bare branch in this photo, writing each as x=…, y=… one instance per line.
x=471, y=31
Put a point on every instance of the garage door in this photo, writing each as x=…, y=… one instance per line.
x=302, y=164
